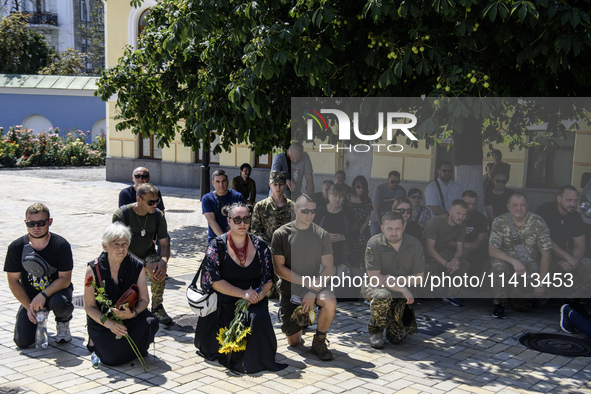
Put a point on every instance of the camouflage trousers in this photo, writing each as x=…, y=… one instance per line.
x=391, y=314
x=520, y=297
x=157, y=291
x=581, y=279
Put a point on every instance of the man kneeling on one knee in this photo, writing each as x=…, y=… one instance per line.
x=394, y=262
x=303, y=260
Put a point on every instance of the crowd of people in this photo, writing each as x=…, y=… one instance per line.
x=293, y=247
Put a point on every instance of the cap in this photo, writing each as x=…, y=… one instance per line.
x=278, y=177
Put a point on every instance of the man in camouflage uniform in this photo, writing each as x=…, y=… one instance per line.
x=392, y=260
x=274, y=211
x=506, y=259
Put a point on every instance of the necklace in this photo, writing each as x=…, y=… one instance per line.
x=143, y=232
x=240, y=251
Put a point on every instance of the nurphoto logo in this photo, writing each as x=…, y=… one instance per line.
x=393, y=120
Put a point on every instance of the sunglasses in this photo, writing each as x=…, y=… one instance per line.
x=358, y=186
x=500, y=181
x=307, y=211
x=394, y=182
x=409, y=211
x=141, y=176
x=445, y=171
x=33, y=223
x=416, y=196
x=153, y=202
x=238, y=219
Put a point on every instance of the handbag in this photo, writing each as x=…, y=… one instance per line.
x=34, y=263
x=201, y=302
x=131, y=297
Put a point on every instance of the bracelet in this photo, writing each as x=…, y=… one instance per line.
x=313, y=291
x=44, y=295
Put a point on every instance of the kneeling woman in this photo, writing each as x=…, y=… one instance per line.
x=238, y=265
x=119, y=270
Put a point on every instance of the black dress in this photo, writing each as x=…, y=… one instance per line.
x=141, y=329
x=261, y=345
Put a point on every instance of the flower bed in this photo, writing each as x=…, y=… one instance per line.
x=23, y=148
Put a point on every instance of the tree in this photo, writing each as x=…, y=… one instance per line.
x=69, y=62
x=233, y=66
x=22, y=50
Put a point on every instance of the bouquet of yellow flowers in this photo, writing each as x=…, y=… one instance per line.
x=100, y=295
x=233, y=339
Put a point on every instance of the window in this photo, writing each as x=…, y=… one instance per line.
x=550, y=169
x=141, y=25
x=213, y=159
x=149, y=148
x=264, y=161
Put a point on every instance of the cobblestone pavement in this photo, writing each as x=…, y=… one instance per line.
x=457, y=350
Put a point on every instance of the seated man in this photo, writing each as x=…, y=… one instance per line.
x=213, y=202
x=245, y=185
x=146, y=223
x=396, y=262
x=38, y=289
x=302, y=256
x=476, y=242
x=321, y=197
x=567, y=232
x=519, y=245
x=440, y=259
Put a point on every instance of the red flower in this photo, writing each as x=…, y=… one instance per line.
x=89, y=281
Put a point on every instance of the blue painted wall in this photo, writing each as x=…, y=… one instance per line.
x=65, y=112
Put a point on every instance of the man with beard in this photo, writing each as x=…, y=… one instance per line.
x=442, y=191
x=567, y=232
x=39, y=269
x=441, y=259
x=394, y=262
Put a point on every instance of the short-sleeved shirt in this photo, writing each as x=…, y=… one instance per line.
x=534, y=235
x=381, y=256
x=563, y=228
x=476, y=224
x=452, y=191
x=298, y=171
x=498, y=202
x=302, y=250
x=210, y=203
x=385, y=197
x=247, y=188
x=268, y=217
x=129, y=196
x=442, y=233
x=57, y=253
x=143, y=230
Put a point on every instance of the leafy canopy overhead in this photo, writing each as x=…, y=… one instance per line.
x=233, y=66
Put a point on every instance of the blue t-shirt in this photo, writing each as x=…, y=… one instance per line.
x=210, y=203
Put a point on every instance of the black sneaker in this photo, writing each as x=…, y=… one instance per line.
x=452, y=301
x=565, y=323
x=499, y=312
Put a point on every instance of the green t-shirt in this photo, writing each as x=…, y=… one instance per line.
x=381, y=256
x=302, y=250
x=442, y=233
x=143, y=230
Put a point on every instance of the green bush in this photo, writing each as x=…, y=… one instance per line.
x=22, y=148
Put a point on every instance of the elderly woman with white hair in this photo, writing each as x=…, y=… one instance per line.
x=119, y=270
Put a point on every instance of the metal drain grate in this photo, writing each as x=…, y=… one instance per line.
x=179, y=211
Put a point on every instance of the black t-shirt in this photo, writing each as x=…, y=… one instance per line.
x=476, y=224
x=57, y=253
x=562, y=228
x=497, y=201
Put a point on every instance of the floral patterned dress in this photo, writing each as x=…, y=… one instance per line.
x=360, y=213
x=261, y=345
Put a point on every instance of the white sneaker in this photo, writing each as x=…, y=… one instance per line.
x=376, y=341
x=63, y=332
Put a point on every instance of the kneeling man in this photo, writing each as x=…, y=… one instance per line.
x=302, y=256
x=394, y=262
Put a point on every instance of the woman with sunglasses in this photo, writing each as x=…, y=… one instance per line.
x=361, y=207
x=420, y=213
x=238, y=265
x=404, y=207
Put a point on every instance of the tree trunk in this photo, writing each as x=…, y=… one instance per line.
x=468, y=157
